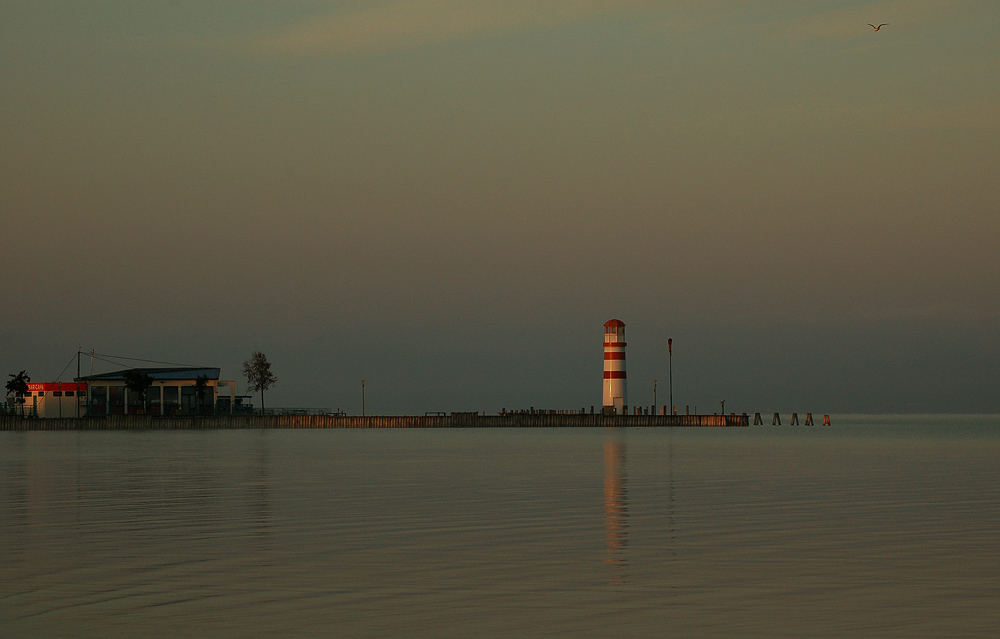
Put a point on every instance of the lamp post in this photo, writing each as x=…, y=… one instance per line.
x=654, y=396
x=670, y=369
x=77, y=393
x=362, y=398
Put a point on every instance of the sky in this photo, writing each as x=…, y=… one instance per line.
x=448, y=198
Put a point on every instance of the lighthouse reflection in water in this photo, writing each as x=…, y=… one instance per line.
x=424, y=533
x=615, y=506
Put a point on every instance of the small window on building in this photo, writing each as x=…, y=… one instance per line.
x=41, y=393
x=57, y=393
x=69, y=393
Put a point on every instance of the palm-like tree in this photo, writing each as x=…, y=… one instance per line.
x=138, y=382
x=17, y=386
x=200, y=388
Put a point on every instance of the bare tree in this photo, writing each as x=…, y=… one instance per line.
x=257, y=370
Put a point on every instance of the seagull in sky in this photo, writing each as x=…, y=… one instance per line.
x=878, y=27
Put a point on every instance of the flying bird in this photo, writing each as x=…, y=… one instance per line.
x=878, y=27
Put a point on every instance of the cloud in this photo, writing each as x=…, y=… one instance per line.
x=413, y=23
x=977, y=114
x=981, y=114
x=406, y=24
x=852, y=22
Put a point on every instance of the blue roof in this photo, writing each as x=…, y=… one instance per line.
x=157, y=374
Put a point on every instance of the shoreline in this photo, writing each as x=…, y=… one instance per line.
x=456, y=420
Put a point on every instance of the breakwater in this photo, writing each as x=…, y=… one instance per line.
x=454, y=420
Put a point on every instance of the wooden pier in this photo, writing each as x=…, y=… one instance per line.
x=454, y=420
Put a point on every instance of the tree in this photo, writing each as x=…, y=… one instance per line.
x=257, y=370
x=138, y=382
x=17, y=386
x=200, y=389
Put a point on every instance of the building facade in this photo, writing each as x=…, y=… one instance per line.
x=172, y=391
x=55, y=399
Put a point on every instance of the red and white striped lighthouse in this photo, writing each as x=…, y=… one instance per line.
x=615, y=398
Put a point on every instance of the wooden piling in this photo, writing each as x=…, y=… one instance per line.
x=538, y=419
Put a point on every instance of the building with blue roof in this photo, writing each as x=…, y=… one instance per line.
x=191, y=390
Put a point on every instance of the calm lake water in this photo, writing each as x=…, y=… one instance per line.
x=874, y=527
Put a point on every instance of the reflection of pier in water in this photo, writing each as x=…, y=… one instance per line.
x=259, y=516
x=615, y=506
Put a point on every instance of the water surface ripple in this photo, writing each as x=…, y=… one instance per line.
x=876, y=527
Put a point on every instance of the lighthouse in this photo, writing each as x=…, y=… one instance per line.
x=615, y=398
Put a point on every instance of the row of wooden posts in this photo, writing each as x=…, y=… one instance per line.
x=454, y=420
x=776, y=420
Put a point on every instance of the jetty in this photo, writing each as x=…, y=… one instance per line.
x=452, y=420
